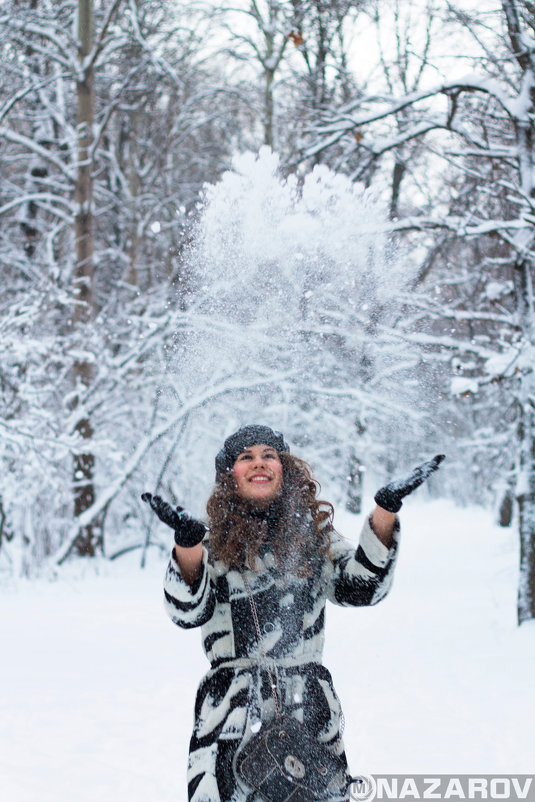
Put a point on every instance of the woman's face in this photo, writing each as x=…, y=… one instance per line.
x=258, y=474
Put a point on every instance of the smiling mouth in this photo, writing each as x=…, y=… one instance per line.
x=260, y=479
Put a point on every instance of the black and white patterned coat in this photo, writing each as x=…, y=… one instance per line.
x=234, y=697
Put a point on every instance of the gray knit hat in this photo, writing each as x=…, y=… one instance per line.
x=242, y=439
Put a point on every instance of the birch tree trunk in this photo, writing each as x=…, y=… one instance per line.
x=525, y=494
x=525, y=487
x=268, y=108
x=524, y=241
x=88, y=539
x=134, y=187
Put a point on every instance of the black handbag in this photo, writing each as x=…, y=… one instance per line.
x=284, y=764
x=282, y=761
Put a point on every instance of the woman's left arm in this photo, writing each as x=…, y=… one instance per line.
x=362, y=575
x=389, y=498
x=383, y=523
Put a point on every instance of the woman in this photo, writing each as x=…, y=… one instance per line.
x=271, y=546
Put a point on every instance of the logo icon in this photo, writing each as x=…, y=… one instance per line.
x=362, y=788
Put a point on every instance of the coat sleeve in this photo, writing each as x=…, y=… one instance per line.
x=188, y=606
x=361, y=576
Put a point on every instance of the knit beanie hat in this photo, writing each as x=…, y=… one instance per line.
x=242, y=439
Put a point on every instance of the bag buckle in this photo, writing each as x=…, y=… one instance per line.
x=294, y=767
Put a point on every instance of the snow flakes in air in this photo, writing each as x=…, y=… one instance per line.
x=260, y=228
x=279, y=263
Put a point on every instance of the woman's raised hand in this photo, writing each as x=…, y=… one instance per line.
x=188, y=531
x=389, y=497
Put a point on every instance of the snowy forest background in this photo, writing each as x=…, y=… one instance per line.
x=315, y=214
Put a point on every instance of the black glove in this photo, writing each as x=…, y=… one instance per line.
x=188, y=531
x=389, y=497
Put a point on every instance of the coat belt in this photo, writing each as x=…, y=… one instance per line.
x=257, y=662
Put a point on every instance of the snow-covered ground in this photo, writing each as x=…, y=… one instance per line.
x=97, y=686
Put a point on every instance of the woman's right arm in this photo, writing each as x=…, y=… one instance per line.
x=189, y=592
x=188, y=588
x=190, y=561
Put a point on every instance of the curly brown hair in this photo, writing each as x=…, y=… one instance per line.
x=297, y=523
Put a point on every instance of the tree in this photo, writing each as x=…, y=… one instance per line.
x=83, y=279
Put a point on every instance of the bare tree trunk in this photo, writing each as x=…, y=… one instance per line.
x=354, y=484
x=5, y=532
x=84, y=492
x=133, y=127
x=525, y=490
x=397, y=178
x=523, y=280
x=37, y=167
x=526, y=516
x=355, y=472
x=268, y=109
x=133, y=186
x=505, y=510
